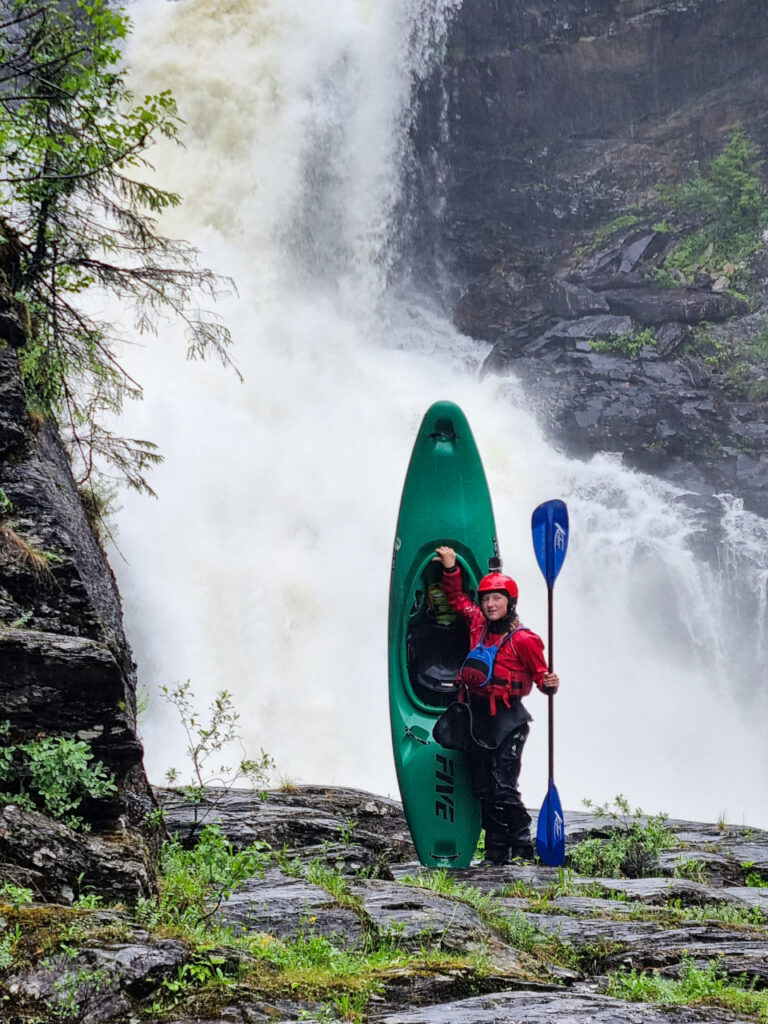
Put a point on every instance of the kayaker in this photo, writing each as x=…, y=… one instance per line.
x=499, y=718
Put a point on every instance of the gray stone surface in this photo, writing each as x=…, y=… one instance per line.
x=542, y=1008
x=287, y=907
x=345, y=827
x=103, y=982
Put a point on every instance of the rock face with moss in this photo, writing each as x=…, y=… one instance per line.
x=309, y=905
x=602, y=203
x=65, y=666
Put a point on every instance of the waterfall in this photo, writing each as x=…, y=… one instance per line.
x=263, y=568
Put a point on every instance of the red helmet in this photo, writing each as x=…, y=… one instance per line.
x=498, y=581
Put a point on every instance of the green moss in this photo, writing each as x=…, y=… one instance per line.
x=623, y=222
x=628, y=343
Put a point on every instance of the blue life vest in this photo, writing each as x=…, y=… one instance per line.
x=477, y=668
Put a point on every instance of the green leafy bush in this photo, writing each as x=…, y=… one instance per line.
x=628, y=343
x=195, y=882
x=631, y=847
x=53, y=774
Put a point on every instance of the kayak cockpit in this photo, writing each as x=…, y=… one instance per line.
x=437, y=642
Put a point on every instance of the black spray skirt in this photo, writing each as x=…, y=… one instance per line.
x=464, y=725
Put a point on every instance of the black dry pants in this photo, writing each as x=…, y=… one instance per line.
x=495, y=775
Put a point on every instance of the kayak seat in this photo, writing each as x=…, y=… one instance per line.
x=435, y=653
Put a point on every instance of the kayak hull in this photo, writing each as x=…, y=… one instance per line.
x=445, y=501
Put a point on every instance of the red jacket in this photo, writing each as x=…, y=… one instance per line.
x=520, y=662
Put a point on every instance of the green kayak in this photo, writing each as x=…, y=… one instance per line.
x=445, y=501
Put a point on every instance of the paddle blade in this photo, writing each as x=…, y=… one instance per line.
x=550, y=831
x=549, y=527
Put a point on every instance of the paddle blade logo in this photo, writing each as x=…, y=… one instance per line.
x=549, y=529
x=557, y=827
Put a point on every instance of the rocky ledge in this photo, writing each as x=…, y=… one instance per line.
x=336, y=920
x=672, y=378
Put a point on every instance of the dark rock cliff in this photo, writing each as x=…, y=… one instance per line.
x=65, y=666
x=552, y=125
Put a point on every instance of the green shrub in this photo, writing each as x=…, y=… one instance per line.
x=628, y=343
x=194, y=883
x=730, y=202
x=695, y=985
x=208, y=739
x=631, y=848
x=53, y=774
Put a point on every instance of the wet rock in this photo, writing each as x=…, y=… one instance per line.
x=553, y=126
x=494, y=304
x=287, y=907
x=12, y=404
x=60, y=864
x=661, y=891
x=98, y=984
x=640, y=248
x=344, y=826
x=11, y=330
x=542, y=1008
x=56, y=683
x=572, y=301
x=280, y=1012
x=65, y=665
x=654, y=307
x=409, y=914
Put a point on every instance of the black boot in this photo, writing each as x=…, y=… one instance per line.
x=523, y=851
x=496, y=855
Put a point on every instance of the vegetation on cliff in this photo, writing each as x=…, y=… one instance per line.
x=53, y=774
x=729, y=202
x=78, y=214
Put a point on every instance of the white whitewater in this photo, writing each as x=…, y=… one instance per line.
x=263, y=568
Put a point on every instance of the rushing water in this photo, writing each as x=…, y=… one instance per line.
x=263, y=568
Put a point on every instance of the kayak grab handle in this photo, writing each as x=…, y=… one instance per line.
x=443, y=435
x=412, y=735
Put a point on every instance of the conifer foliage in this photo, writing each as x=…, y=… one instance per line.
x=75, y=215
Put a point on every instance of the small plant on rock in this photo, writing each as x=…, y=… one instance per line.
x=692, y=869
x=696, y=985
x=194, y=883
x=631, y=847
x=629, y=343
x=206, y=739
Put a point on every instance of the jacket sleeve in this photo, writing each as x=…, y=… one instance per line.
x=457, y=599
x=529, y=648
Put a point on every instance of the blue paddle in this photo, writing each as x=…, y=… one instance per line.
x=549, y=527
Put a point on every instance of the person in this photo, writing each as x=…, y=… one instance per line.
x=499, y=718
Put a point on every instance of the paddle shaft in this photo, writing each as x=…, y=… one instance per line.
x=551, y=696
